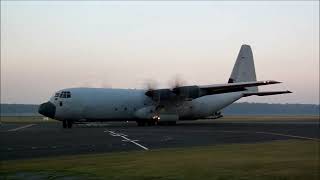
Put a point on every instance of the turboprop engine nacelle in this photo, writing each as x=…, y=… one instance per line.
x=189, y=92
x=160, y=94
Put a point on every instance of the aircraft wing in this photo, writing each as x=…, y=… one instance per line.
x=192, y=92
x=234, y=87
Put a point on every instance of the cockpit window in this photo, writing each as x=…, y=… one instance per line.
x=63, y=94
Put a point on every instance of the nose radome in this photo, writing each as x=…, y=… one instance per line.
x=47, y=109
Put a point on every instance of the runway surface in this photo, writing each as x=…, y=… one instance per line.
x=30, y=140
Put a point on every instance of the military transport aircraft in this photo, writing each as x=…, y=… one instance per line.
x=154, y=106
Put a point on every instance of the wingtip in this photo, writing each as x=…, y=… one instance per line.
x=272, y=82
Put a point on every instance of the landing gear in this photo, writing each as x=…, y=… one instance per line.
x=67, y=124
x=141, y=123
x=152, y=123
x=64, y=123
x=146, y=122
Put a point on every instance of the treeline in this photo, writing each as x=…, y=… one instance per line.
x=271, y=109
x=19, y=110
x=234, y=109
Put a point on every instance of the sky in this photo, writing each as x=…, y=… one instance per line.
x=47, y=46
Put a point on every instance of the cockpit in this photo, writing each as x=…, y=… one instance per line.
x=63, y=94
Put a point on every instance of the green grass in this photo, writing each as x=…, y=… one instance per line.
x=281, y=160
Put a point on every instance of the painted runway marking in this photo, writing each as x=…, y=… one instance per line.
x=277, y=134
x=112, y=133
x=22, y=127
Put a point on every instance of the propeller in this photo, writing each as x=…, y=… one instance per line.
x=174, y=86
x=151, y=85
x=176, y=83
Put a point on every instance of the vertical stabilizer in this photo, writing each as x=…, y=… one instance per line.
x=243, y=70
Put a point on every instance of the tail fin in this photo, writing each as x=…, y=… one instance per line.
x=243, y=69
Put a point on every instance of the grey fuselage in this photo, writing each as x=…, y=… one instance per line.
x=104, y=104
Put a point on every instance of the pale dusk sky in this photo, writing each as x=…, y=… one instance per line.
x=47, y=46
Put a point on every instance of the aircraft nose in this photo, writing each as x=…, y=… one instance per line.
x=47, y=109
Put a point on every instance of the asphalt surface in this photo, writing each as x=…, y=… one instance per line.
x=31, y=140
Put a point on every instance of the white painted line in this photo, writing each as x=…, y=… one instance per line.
x=127, y=139
x=22, y=127
x=135, y=143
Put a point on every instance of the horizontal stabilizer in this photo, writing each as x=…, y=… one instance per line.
x=266, y=93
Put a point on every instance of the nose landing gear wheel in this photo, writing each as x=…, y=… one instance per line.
x=69, y=123
x=64, y=124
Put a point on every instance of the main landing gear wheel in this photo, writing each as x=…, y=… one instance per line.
x=141, y=123
x=151, y=123
x=148, y=122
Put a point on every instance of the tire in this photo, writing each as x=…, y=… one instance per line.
x=69, y=124
x=151, y=123
x=64, y=124
x=141, y=123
